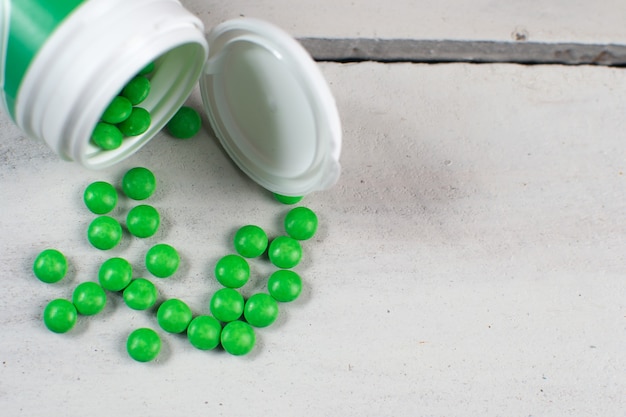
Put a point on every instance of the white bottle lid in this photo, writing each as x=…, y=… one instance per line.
x=271, y=108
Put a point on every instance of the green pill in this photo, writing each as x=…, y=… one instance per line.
x=284, y=285
x=104, y=232
x=137, y=123
x=204, y=332
x=162, y=260
x=143, y=345
x=261, y=310
x=137, y=89
x=238, y=338
x=185, y=124
x=117, y=111
x=174, y=316
x=284, y=199
x=100, y=197
x=50, y=266
x=140, y=294
x=60, y=315
x=285, y=252
x=147, y=69
x=250, y=241
x=115, y=274
x=143, y=221
x=226, y=305
x=138, y=183
x=232, y=271
x=301, y=223
x=89, y=298
x=107, y=136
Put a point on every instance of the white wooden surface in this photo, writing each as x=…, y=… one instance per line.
x=585, y=21
x=470, y=262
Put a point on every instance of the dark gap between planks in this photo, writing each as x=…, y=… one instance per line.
x=447, y=51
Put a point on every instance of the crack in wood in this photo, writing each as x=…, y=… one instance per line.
x=447, y=51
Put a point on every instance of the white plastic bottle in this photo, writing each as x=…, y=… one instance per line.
x=63, y=61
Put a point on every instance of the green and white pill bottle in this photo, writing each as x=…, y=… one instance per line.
x=63, y=61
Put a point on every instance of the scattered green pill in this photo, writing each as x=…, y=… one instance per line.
x=284, y=199
x=238, y=338
x=232, y=271
x=162, y=260
x=115, y=274
x=140, y=294
x=104, y=232
x=60, y=315
x=107, y=136
x=204, y=332
x=138, y=183
x=285, y=252
x=250, y=241
x=185, y=123
x=117, y=111
x=143, y=345
x=137, y=123
x=227, y=305
x=50, y=266
x=137, y=89
x=147, y=69
x=143, y=221
x=89, y=298
x=100, y=197
x=261, y=310
x=301, y=223
x=284, y=285
x=174, y=316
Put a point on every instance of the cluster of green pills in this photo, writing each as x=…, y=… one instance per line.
x=227, y=305
x=88, y=298
x=231, y=320
x=115, y=274
x=123, y=117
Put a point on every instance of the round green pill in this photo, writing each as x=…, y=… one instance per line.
x=104, y=232
x=137, y=123
x=285, y=252
x=232, y=271
x=107, y=136
x=174, y=316
x=238, y=338
x=117, y=111
x=60, y=315
x=284, y=285
x=250, y=241
x=143, y=345
x=301, y=223
x=204, y=332
x=50, y=266
x=89, y=298
x=100, y=197
x=147, y=69
x=261, y=310
x=143, y=221
x=138, y=183
x=284, y=199
x=226, y=305
x=162, y=260
x=185, y=123
x=115, y=274
x=140, y=294
x=137, y=89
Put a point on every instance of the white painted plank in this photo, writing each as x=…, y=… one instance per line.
x=582, y=21
x=469, y=262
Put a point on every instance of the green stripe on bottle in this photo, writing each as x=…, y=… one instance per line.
x=30, y=25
